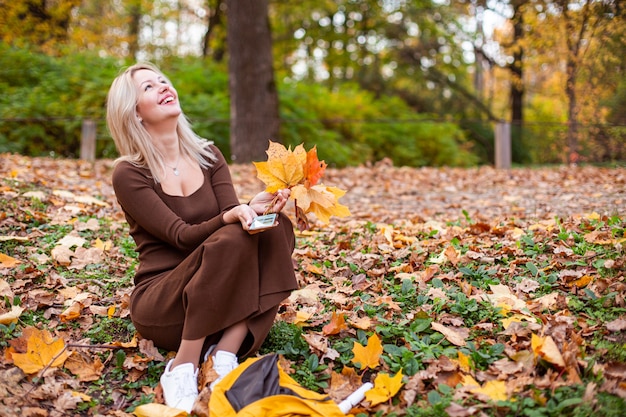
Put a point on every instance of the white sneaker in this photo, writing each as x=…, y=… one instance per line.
x=223, y=363
x=180, y=386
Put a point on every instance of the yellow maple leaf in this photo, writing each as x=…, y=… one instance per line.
x=284, y=168
x=368, y=357
x=300, y=171
x=320, y=200
x=302, y=317
x=42, y=351
x=546, y=348
x=105, y=246
x=385, y=387
x=494, y=390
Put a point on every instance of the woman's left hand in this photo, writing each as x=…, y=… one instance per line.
x=274, y=202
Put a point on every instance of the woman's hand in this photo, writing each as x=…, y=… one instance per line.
x=274, y=202
x=242, y=213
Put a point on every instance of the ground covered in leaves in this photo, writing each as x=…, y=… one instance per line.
x=457, y=292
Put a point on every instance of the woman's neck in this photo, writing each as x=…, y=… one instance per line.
x=168, y=144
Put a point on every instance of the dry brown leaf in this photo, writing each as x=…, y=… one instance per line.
x=85, y=367
x=455, y=335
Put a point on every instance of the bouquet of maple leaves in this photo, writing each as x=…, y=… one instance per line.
x=300, y=171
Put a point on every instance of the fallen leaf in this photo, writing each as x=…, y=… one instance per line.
x=385, y=387
x=103, y=246
x=616, y=325
x=456, y=336
x=368, y=357
x=7, y=261
x=582, y=281
x=502, y=295
x=11, y=316
x=545, y=348
x=42, y=351
x=494, y=390
x=86, y=368
x=464, y=361
x=336, y=325
x=343, y=384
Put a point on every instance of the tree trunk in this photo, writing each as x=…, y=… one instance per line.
x=135, y=13
x=215, y=19
x=574, y=39
x=254, y=119
x=517, y=81
x=572, y=128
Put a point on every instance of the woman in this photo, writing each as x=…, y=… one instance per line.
x=205, y=284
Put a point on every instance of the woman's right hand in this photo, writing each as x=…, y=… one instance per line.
x=242, y=213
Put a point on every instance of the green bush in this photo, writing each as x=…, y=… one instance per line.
x=46, y=99
x=350, y=127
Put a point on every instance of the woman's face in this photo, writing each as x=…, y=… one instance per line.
x=158, y=100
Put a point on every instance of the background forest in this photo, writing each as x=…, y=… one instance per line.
x=421, y=82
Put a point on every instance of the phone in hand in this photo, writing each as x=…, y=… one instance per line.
x=263, y=222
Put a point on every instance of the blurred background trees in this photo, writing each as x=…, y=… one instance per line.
x=421, y=82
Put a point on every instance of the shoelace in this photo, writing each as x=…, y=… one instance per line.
x=224, y=368
x=185, y=385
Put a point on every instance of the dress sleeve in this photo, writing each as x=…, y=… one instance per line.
x=144, y=208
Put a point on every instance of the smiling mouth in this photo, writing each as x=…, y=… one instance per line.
x=167, y=100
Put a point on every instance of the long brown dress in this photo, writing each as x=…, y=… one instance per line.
x=197, y=275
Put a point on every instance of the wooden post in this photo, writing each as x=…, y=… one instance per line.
x=503, y=145
x=88, y=140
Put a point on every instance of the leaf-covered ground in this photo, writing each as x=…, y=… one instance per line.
x=457, y=292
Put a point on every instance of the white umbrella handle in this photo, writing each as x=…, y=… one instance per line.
x=355, y=398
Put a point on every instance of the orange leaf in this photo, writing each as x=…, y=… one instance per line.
x=368, y=357
x=41, y=351
x=336, y=325
x=314, y=168
x=8, y=262
x=582, y=281
x=72, y=312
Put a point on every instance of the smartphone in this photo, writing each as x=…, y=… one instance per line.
x=263, y=222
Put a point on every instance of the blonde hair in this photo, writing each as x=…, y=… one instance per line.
x=133, y=141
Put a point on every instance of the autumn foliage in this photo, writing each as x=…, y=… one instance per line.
x=454, y=292
x=300, y=171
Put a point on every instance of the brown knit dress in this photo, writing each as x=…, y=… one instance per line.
x=197, y=275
